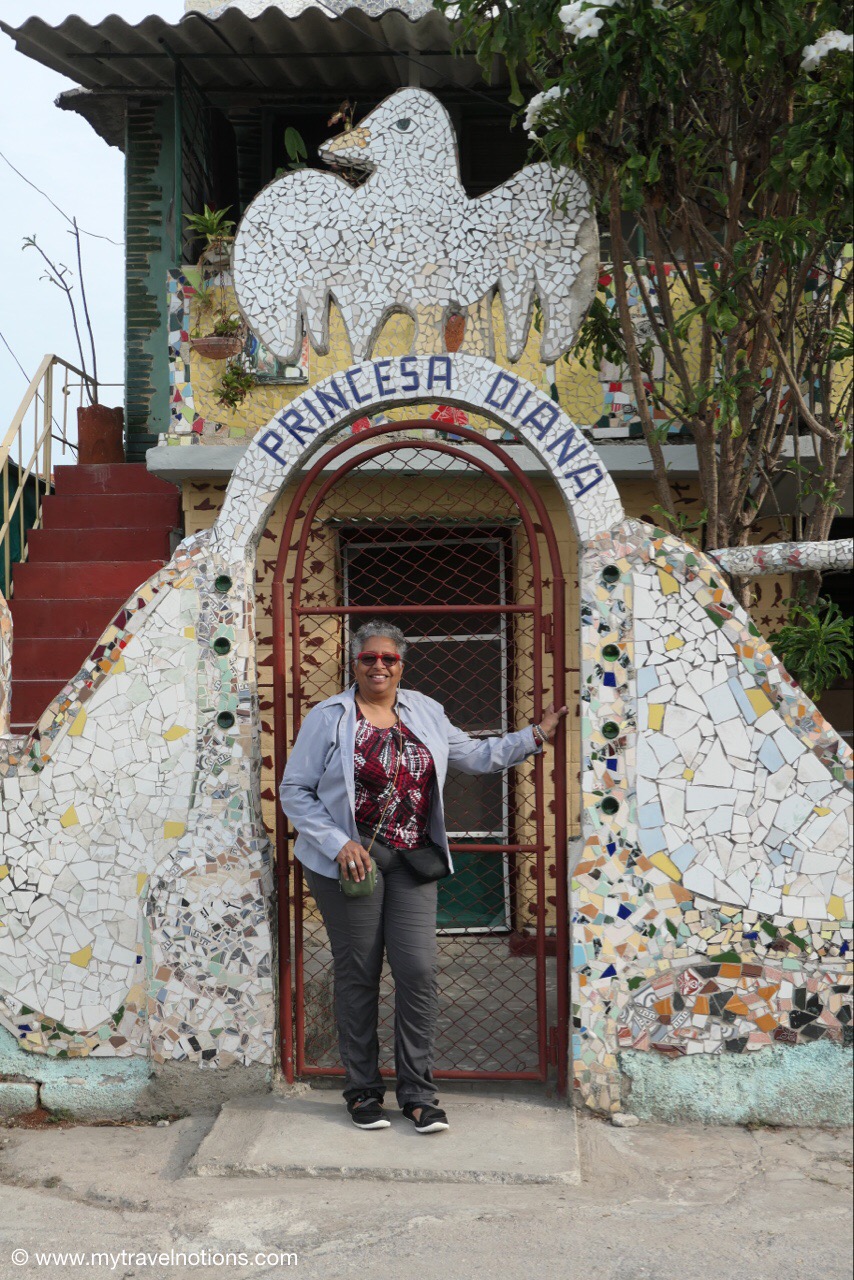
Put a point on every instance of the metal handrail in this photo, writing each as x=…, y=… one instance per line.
x=38, y=398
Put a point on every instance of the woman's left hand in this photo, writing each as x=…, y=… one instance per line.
x=552, y=717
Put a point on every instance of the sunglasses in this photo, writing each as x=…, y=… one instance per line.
x=388, y=660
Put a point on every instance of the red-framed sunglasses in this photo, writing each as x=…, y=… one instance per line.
x=387, y=659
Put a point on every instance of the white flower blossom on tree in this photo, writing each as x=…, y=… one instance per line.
x=538, y=104
x=826, y=44
x=581, y=19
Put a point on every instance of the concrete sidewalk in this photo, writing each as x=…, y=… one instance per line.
x=654, y=1203
x=311, y=1135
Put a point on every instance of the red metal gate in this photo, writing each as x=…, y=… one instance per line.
x=456, y=547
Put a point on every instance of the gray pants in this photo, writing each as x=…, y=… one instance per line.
x=399, y=917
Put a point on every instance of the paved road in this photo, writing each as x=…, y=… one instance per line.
x=656, y=1203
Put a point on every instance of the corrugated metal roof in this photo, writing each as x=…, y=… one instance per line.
x=265, y=57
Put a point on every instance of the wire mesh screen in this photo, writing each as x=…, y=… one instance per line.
x=441, y=551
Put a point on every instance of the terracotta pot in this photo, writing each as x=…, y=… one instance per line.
x=216, y=348
x=100, y=434
x=455, y=327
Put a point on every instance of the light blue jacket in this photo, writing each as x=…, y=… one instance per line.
x=318, y=791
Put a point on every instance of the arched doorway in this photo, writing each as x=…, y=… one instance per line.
x=456, y=546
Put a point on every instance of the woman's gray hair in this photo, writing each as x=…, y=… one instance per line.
x=375, y=631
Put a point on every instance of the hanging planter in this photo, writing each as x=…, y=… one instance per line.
x=217, y=253
x=227, y=332
x=216, y=230
x=218, y=347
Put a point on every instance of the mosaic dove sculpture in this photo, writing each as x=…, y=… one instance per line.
x=410, y=239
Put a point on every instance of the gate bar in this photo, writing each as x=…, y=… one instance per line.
x=559, y=744
x=303, y=611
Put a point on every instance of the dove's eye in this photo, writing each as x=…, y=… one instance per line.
x=403, y=125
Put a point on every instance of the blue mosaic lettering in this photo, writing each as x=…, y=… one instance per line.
x=409, y=373
x=294, y=423
x=332, y=400
x=543, y=418
x=385, y=387
x=350, y=377
x=271, y=443
x=313, y=410
x=566, y=454
x=517, y=408
x=491, y=393
x=439, y=373
x=591, y=484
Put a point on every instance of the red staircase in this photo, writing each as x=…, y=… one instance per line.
x=106, y=529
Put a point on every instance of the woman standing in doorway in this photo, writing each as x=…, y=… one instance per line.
x=363, y=789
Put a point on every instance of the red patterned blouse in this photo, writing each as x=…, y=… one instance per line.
x=405, y=825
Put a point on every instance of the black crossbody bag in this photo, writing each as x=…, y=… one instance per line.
x=428, y=862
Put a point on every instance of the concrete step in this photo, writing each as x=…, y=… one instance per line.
x=29, y=699
x=66, y=619
x=492, y=1139
x=113, y=511
x=95, y=544
x=110, y=478
x=49, y=581
x=51, y=659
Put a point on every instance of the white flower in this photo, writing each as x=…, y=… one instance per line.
x=536, y=106
x=581, y=18
x=824, y=45
x=589, y=24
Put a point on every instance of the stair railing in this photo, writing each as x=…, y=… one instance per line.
x=44, y=408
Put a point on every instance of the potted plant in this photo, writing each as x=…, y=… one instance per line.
x=217, y=231
x=226, y=332
x=100, y=429
x=815, y=645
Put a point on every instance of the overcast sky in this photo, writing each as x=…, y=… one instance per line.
x=59, y=152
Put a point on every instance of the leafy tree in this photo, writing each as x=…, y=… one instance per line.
x=716, y=136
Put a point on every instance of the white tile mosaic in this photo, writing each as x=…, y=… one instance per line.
x=135, y=882
x=780, y=557
x=409, y=238
x=707, y=915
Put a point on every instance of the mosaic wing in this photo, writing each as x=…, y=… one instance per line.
x=290, y=252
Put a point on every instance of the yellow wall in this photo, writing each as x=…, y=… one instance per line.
x=580, y=390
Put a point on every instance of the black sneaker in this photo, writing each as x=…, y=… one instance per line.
x=366, y=1112
x=431, y=1120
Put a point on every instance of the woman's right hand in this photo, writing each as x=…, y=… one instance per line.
x=354, y=860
